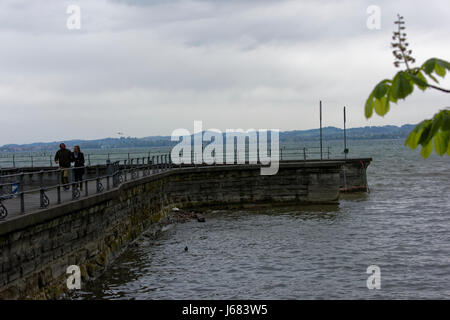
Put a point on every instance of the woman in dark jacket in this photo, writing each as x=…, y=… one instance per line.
x=78, y=159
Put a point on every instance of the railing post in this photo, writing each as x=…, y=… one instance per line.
x=22, y=195
x=304, y=153
x=89, y=159
x=58, y=188
x=14, y=160
x=72, y=181
x=108, y=172
x=97, y=179
x=153, y=164
x=41, y=188
x=86, y=183
x=32, y=163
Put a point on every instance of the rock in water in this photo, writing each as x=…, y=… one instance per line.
x=201, y=219
x=186, y=248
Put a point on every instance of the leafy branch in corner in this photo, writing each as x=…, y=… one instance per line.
x=435, y=130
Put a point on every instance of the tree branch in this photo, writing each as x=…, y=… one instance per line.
x=438, y=88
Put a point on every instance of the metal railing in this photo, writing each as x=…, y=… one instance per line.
x=19, y=160
x=15, y=188
x=18, y=188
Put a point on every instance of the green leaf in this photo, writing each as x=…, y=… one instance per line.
x=440, y=143
x=413, y=139
x=439, y=70
x=428, y=65
x=401, y=86
x=435, y=65
x=419, y=80
x=425, y=136
x=426, y=150
x=391, y=96
x=436, y=123
x=380, y=90
x=429, y=132
x=445, y=120
x=443, y=63
x=381, y=106
x=368, y=110
x=434, y=79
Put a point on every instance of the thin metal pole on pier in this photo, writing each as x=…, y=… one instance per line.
x=345, y=136
x=321, y=156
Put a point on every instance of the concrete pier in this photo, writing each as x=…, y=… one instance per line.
x=36, y=248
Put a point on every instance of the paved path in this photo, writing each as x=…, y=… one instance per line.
x=32, y=198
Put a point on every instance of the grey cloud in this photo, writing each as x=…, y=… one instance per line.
x=148, y=68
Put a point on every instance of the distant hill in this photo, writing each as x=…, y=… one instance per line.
x=329, y=133
x=333, y=133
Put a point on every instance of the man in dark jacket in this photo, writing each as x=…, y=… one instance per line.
x=63, y=158
x=78, y=159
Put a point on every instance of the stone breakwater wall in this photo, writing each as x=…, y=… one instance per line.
x=37, y=248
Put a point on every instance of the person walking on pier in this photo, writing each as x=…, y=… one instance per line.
x=63, y=158
x=78, y=159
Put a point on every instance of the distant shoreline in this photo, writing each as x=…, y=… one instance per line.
x=329, y=133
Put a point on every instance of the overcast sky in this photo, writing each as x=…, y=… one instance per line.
x=149, y=67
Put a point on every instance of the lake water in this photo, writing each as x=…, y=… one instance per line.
x=308, y=252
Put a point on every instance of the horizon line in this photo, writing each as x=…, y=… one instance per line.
x=165, y=136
